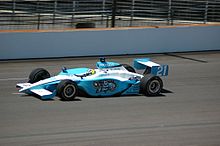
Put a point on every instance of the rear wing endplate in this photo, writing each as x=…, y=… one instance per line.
x=151, y=67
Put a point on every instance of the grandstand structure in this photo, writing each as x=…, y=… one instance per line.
x=65, y=14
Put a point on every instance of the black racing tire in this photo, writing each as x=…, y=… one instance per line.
x=67, y=90
x=151, y=86
x=38, y=74
x=129, y=68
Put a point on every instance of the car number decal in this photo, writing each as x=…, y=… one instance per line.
x=104, y=86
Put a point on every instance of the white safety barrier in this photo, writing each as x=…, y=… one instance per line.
x=23, y=45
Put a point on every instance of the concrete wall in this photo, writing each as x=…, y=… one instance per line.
x=20, y=45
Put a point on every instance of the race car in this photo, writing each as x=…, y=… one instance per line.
x=108, y=79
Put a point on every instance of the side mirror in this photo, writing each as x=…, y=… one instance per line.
x=64, y=69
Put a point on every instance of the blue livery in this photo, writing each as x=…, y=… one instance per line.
x=108, y=79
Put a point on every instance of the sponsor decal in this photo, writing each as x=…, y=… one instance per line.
x=104, y=86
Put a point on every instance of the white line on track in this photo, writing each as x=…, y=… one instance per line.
x=18, y=93
x=12, y=79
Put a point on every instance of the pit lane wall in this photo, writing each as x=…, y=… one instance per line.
x=98, y=42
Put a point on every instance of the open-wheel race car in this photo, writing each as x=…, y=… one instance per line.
x=108, y=79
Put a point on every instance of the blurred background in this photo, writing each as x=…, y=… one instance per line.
x=68, y=14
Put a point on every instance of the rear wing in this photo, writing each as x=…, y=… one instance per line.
x=151, y=67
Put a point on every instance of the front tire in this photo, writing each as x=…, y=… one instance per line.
x=38, y=74
x=151, y=86
x=67, y=90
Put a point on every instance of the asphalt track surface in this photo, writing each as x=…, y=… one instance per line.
x=187, y=114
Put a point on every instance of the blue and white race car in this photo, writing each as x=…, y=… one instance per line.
x=108, y=79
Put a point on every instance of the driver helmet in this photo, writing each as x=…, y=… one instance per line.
x=92, y=71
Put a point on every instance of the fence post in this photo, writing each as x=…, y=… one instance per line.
x=114, y=5
x=54, y=11
x=169, y=12
x=73, y=12
x=38, y=15
x=132, y=12
x=206, y=11
x=38, y=21
x=103, y=10
x=107, y=21
x=13, y=7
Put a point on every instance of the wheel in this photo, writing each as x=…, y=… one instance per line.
x=38, y=74
x=151, y=86
x=67, y=90
x=128, y=68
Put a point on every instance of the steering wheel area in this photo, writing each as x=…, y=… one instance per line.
x=88, y=73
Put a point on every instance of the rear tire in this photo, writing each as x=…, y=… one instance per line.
x=129, y=68
x=38, y=74
x=67, y=90
x=151, y=86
